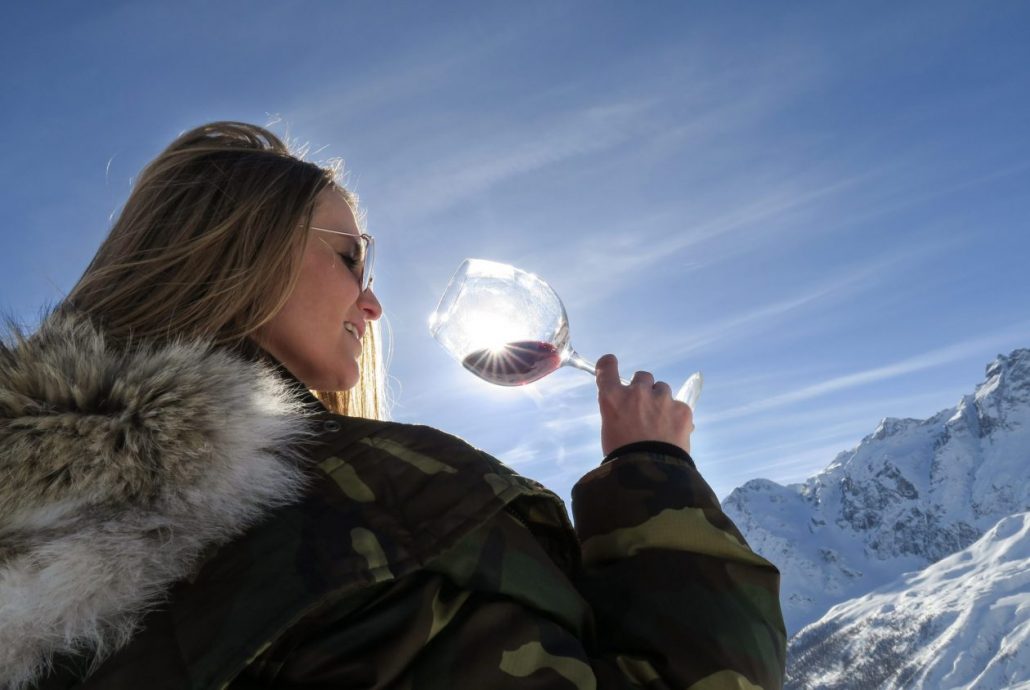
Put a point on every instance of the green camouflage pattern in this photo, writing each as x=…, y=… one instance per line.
x=417, y=561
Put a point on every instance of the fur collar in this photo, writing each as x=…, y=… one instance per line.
x=118, y=468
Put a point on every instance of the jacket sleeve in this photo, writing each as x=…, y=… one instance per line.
x=668, y=596
x=679, y=599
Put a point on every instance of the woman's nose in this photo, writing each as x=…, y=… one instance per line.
x=369, y=303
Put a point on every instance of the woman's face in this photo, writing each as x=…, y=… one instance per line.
x=308, y=335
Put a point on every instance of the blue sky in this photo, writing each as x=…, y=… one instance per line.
x=822, y=206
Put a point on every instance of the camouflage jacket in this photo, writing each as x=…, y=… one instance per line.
x=383, y=555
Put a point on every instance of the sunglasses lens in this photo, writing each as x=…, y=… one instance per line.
x=366, y=274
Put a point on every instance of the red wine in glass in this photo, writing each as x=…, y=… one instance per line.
x=514, y=364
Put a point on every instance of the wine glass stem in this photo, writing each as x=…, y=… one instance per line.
x=688, y=393
x=575, y=360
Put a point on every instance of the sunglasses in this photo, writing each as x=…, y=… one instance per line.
x=361, y=265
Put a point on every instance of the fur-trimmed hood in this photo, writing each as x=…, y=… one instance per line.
x=119, y=467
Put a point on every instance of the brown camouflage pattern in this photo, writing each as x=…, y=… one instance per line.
x=417, y=561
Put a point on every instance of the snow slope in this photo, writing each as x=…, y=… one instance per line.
x=911, y=493
x=961, y=623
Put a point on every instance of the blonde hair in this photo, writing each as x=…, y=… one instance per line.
x=209, y=245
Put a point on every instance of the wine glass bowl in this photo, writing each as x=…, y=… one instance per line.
x=505, y=325
x=509, y=327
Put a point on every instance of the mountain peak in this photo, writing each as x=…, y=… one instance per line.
x=889, y=426
x=1014, y=365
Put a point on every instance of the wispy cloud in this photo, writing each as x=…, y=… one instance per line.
x=589, y=420
x=526, y=453
x=926, y=360
x=514, y=151
x=759, y=213
x=780, y=421
x=840, y=434
x=758, y=319
x=752, y=215
x=692, y=338
x=430, y=63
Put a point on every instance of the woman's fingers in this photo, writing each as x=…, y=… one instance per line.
x=607, y=369
x=662, y=389
x=642, y=378
x=642, y=411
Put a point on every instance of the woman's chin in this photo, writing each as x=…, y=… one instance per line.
x=337, y=380
x=345, y=380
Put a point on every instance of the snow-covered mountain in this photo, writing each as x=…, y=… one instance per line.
x=909, y=494
x=961, y=623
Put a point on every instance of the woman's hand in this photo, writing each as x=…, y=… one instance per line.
x=641, y=411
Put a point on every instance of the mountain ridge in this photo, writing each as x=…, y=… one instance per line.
x=910, y=493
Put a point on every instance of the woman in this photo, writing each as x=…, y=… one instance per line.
x=198, y=493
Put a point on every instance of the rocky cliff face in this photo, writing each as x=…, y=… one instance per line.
x=911, y=493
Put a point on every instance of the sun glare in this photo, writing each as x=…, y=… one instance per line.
x=492, y=332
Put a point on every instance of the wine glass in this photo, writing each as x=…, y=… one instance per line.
x=507, y=326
